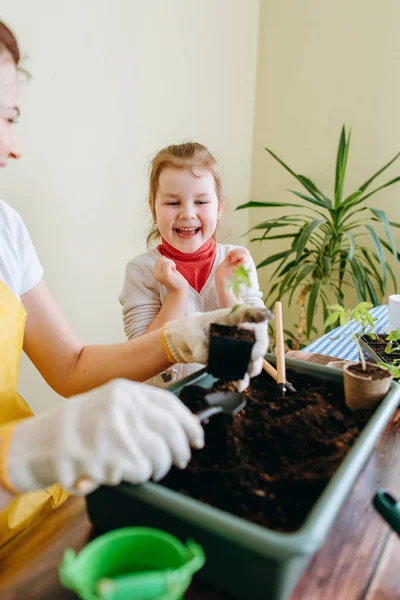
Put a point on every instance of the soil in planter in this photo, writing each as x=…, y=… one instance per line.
x=371, y=370
x=270, y=462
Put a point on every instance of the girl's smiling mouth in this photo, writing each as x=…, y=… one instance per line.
x=187, y=232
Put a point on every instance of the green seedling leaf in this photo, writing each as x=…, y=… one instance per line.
x=394, y=335
x=241, y=277
x=394, y=368
x=372, y=336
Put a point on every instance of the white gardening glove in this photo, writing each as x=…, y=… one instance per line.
x=186, y=340
x=121, y=431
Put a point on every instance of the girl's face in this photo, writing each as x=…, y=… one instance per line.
x=186, y=208
x=9, y=111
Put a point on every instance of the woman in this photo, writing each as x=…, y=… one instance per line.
x=119, y=431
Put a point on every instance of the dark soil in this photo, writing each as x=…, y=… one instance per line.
x=232, y=332
x=371, y=371
x=270, y=463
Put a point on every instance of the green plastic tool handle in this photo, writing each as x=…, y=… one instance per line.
x=389, y=508
x=141, y=586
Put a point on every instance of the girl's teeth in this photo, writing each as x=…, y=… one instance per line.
x=186, y=232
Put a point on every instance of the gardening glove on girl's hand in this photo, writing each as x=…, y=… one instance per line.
x=121, y=431
x=186, y=340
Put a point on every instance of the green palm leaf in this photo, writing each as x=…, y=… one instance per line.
x=309, y=199
x=381, y=187
x=271, y=223
x=377, y=276
x=307, y=182
x=379, y=251
x=350, y=199
x=300, y=178
x=364, y=186
x=371, y=290
x=306, y=235
x=352, y=245
x=388, y=247
x=265, y=205
x=273, y=258
x=341, y=163
x=274, y=237
x=359, y=282
x=382, y=216
x=312, y=304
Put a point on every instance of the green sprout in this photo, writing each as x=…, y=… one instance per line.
x=394, y=368
x=241, y=277
x=394, y=342
x=361, y=315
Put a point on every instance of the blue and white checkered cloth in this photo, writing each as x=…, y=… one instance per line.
x=338, y=342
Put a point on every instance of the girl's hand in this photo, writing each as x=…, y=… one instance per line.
x=166, y=273
x=235, y=258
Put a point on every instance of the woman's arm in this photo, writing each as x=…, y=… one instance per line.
x=71, y=368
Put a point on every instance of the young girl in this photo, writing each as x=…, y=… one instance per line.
x=188, y=271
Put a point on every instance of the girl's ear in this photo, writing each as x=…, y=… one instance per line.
x=219, y=212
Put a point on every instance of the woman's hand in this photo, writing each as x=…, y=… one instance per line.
x=121, y=431
x=187, y=340
x=166, y=273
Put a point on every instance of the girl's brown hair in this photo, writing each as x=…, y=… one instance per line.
x=189, y=155
x=8, y=43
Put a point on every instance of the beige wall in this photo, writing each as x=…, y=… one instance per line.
x=112, y=83
x=115, y=81
x=321, y=65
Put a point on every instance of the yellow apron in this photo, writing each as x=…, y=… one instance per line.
x=28, y=509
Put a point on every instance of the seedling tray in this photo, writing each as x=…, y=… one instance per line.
x=375, y=349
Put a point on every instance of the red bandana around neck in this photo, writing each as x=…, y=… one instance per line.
x=196, y=266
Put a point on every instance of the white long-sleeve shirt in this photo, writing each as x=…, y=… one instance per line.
x=142, y=298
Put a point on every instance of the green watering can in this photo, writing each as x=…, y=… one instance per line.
x=132, y=562
x=389, y=508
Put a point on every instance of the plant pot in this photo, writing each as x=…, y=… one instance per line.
x=363, y=390
x=247, y=560
x=230, y=351
x=339, y=364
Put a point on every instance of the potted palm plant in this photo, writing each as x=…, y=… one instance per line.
x=325, y=251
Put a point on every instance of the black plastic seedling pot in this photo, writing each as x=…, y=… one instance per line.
x=230, y=351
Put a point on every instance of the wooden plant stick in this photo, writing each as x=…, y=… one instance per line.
x=272, y=372
x=280, y=347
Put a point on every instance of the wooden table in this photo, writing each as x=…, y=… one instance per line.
x=360, y=559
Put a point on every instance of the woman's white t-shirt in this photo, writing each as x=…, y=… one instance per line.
x=20, y=268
